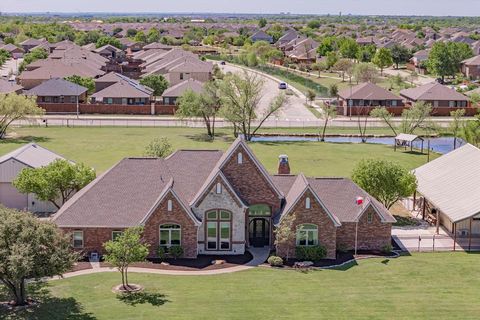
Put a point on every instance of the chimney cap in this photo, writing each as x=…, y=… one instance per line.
x=283, y=156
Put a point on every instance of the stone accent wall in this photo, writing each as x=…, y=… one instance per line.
x=225, y=201
x=249, y=182
x=371, y=236
x=177, y=216
x=315, y=215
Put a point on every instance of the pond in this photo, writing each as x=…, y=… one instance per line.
x=437, y=144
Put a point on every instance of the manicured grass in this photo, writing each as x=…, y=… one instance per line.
x=103, y=147
x=421, y=286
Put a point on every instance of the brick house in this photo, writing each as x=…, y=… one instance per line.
x=471, y=67
x=213, y=202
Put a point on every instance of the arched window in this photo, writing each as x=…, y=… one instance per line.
x=170, y=235
x=169, y=205
x=219, y=188
x=308, y=203
x=307, y=235
x=239, y=158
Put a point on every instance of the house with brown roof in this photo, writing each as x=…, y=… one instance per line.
x=58, y=90
x=471, y=67
x=15, y=52
x=171, y=95
x=114, y=88
x=7, y=87
x=436, y=94
x=221, y=203
x=367, y=94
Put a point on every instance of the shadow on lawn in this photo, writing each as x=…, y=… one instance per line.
x=47, y=307
x=203, y=137
x=25, y=139
x=132, y=299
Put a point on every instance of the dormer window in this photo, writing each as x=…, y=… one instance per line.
x=370, y=217
x=169, y=205
x=219, y=188
x=308, y=204
x=239, y=158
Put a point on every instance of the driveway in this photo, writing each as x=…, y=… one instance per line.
x=294, y=110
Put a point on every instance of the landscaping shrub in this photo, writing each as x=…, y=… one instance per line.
x=161, y=253
x=387, y=248
x=314, y=253
x=176, y=251
x=275, y=261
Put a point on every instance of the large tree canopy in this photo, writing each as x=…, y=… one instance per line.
x=157, y=82
x=30, y=249
x=445, y=58
x=56, y=182
x=387, y=181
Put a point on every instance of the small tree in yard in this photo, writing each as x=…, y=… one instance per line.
x=158, y=148
x=156, y=82
x=415, y=117
x=328, y=113
x=15, y=107
x=285, y=233
x=456, y=124
x=56, y=182
x=386, y=181
x=382, y=59
x=30, y=249
x=311, y=95
x=345, y=66
x=382, y=113
x=125, y=250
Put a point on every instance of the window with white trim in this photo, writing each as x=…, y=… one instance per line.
x=116, y=235
x=170, y=235
x=218, y=188
x=370, y=217
x=239, y=158
x=308, y=203
x=307, y=235
x=78, y=239
x=169, y=205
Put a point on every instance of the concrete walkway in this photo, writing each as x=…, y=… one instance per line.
x=260, y=255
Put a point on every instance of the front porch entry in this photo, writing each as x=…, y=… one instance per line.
x=259, y=232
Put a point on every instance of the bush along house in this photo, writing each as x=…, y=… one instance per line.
x=222, y=203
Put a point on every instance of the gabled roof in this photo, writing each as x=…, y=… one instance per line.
x=32, y=155
x=451, y=182
x=123, y=89
x=367, y=91
x=9, y=86
x=431, y=92
x=180, y=88
x=57, y=87
x=473, y=61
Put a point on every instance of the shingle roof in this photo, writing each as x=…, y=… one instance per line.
x=451, y=182
x=124, y=89
x=9, y=86
x=367, y=91
x=474, y=61
x=32, y=155
x=431, y=92
x=57, y=87
x=178, y=89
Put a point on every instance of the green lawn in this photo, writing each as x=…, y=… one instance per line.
x=103, y=147
x=422, y=286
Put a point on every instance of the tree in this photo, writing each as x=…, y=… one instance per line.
x=157, y=82
x=366, y=53
x=344, y=66
x=153, y=35
x=320, y=66
x=382, y=59
x=348, y=48
x=88, y=83
x=140, y=37
x=386, y=181
x=470, y=131
x=262, y=23
x=475, y=99
x=314, y=24
x=125, y=250
x=205, y=105
x=15, y=107
x=456, y=124
x=365, y=72
x=333, y=90
x=332, y=58
x=413, y=77
x=30, y=249
x=328, y=113
x=311, y=95
x=158, y=148
x=56, y=182
x=400, y=54
x=445, y=58
x=415, y=116
x=131, y=33
x=285, y=233
x=240, y=95
x=327, y=45
x=103, y=41
x=32, y=56
x=382, y=113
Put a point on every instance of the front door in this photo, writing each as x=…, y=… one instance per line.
x=259, y=232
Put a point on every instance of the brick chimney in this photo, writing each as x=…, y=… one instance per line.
x=283, y=166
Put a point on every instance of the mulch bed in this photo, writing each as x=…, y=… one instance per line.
x=202, y=262
x=81, y=265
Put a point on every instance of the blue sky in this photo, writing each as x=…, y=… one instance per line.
x=392, y=7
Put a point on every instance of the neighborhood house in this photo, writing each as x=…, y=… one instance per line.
x=213, y=202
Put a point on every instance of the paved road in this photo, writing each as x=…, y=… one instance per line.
x=10, y=67
x=294, y=110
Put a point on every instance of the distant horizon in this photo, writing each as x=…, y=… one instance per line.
x=420, y=8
